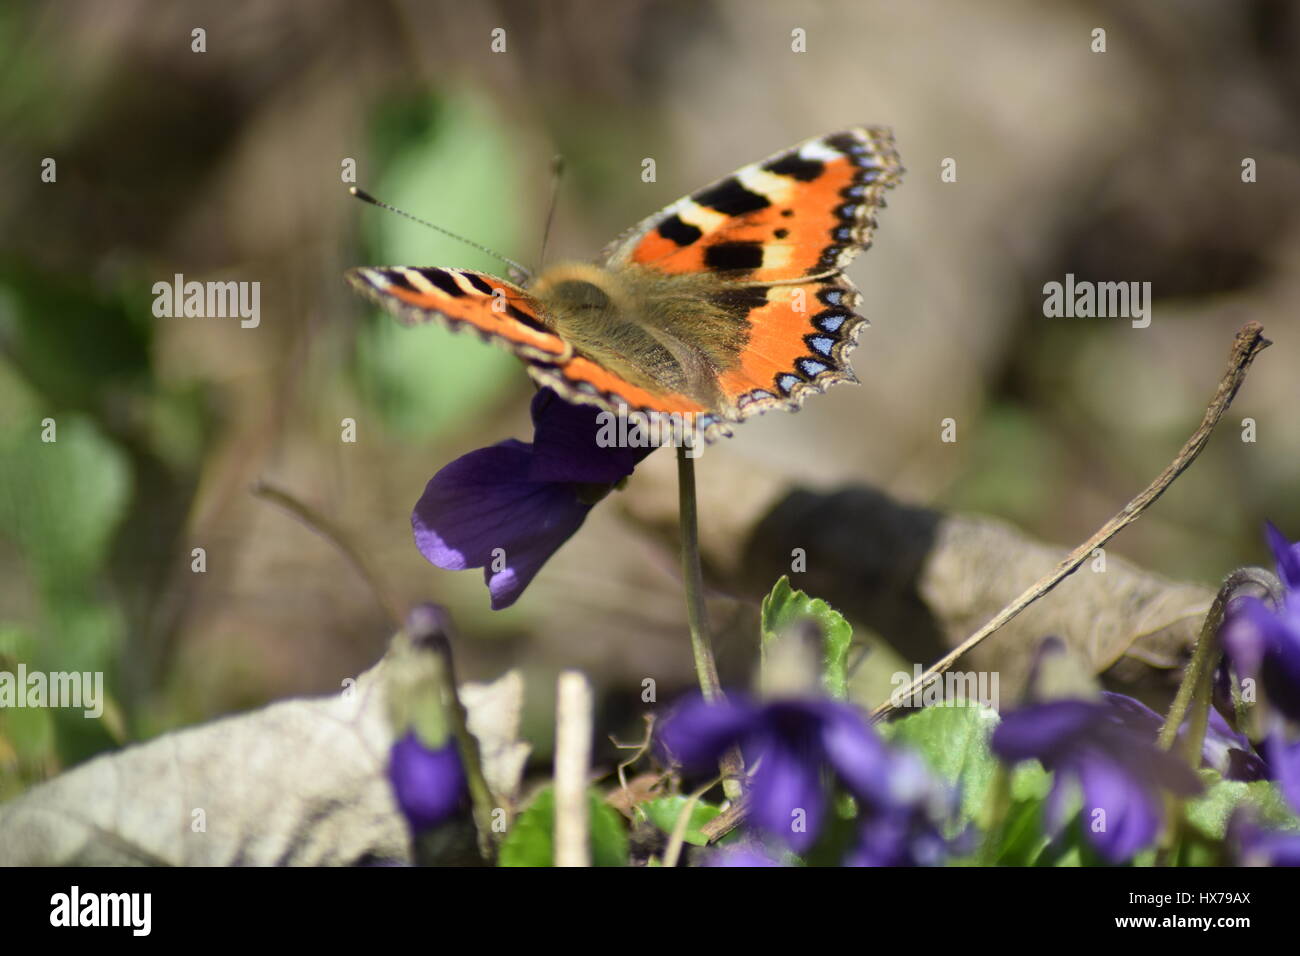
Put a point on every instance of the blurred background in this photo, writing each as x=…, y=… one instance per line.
x=226, y=165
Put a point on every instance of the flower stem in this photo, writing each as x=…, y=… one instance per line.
x=706, y=668
x=482, y=802
x=1196, y=690
x=697, y=617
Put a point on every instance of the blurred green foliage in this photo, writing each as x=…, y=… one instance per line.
x=75, y=515
x=451, y=162
x=61, y=503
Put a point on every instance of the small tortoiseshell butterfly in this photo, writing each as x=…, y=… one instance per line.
x=723, y=305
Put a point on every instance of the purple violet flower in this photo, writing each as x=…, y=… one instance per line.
x=1223, y=749
x=429, y=783
x=792, y=743
x=1264, y=644
x=794, y=740
x=906, y=833
x=514, y=504
x=1286, y=554
x=1257, y=846
x=1120, y=769
x=1284, y=764
x=747, y=856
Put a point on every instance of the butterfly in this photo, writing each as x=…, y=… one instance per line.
x=724, y=304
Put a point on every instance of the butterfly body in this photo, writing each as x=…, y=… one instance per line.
x=724, y=304
x=653, y=330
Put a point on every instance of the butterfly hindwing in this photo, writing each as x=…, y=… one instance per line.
x=796, y=337
x=586, y=382
x=499, y=310
x=799, y=340
x=802, y=212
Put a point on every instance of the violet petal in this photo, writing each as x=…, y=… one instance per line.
x=697, y=732
x=429, y=784
x=786, y=797
x=483, y=501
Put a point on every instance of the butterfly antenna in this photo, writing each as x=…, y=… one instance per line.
x=521, y=271
x=557, y=171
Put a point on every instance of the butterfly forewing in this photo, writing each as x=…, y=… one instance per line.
x=804, y=211
x=802, y=214
x=500, y=311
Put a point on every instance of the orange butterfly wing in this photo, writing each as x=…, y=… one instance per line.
x=504, y=313
x=500, y=311
x=775, y=235
x=805, y=211
x=584, y=381
x=802, y=214
x=800, y=339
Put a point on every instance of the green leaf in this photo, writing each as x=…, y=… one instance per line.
x=785, y=608
x=1209, y=813
x=663, y=812
x=953, y=740
x=1021, y=839
x=530, y=841
x=1029, y=781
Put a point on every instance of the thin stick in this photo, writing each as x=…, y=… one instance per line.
x=572, y=768
x=1248, y=343
x=336, y=536
x=726, y=821
x=641, y=750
